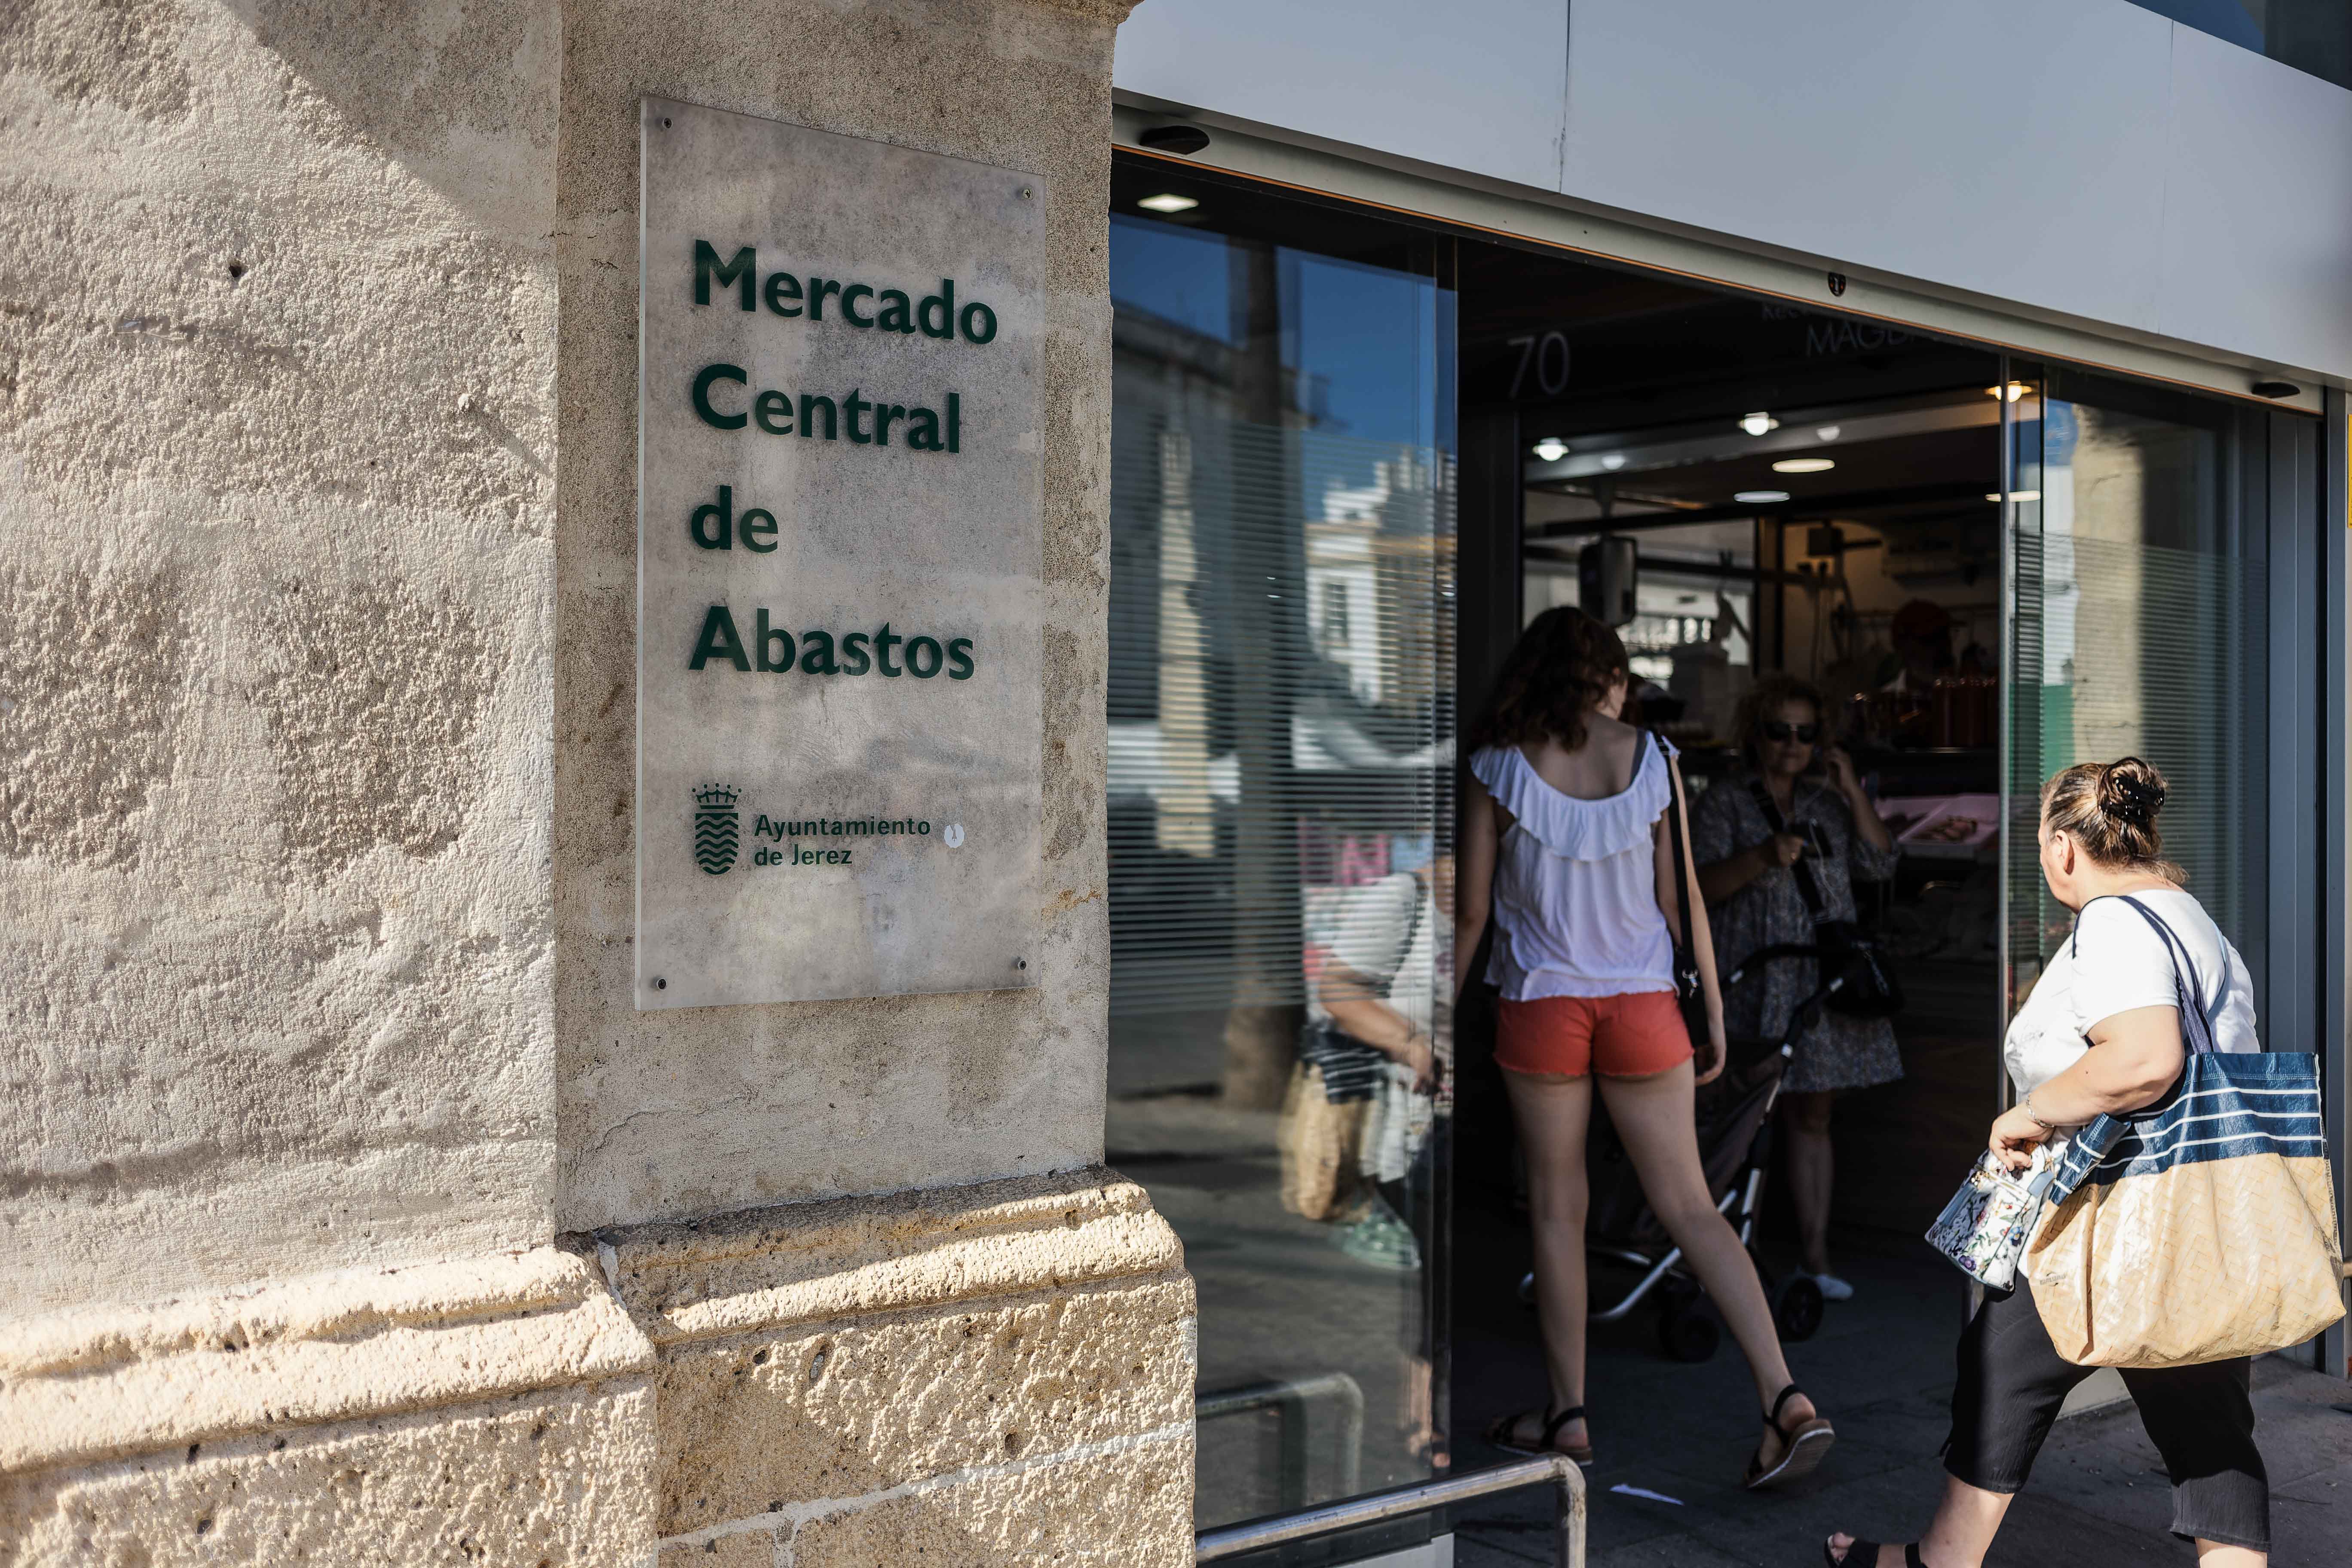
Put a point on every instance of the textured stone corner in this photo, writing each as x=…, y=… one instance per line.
x=77, y=1387
x=494, y=1410
x=557, y=1477
x=805, y=1262
x=995, y=1374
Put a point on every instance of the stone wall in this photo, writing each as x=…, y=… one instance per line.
x=277, y=438
x=348, y=1211
x=997, y=1375
x=714, y=1109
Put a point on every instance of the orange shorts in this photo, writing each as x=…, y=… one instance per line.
x=1633, y=1035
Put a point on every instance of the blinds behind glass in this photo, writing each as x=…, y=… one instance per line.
x=1278, y=678
x=2142, y=657
x=2122, y=646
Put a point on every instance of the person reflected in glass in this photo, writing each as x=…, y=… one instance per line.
x=1375, y=984
x=1565, y=848
x=1369, y=1051
x=1749, y=872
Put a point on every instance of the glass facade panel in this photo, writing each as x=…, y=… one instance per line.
x=2138, y=610
x=1993, y=570
x=1280, y=755
x=2313, y=35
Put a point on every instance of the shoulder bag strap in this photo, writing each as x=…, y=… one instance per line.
x=2185, y=981
x=1806, y=887
x=1677, y=834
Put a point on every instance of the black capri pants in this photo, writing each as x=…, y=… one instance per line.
x=2200, y=1418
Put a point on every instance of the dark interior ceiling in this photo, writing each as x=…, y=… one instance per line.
x=1658, y=371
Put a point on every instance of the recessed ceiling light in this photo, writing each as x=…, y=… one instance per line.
x=1614, y=461
x=2017, y=495
x=1759, y=423
x=1827, y=432
x=1551, y=449
x=1803, y=465
x=2017, y=389
x=1168, y=202
x=1759, y=498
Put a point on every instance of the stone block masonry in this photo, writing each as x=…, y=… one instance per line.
x=1000, y=1373
x=349, y=1211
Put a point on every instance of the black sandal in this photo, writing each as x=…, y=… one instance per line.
x=1802, y=1447
x=1910, y=1555
x=1499, y=1434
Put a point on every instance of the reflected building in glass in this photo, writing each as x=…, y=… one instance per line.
x=1281, y=723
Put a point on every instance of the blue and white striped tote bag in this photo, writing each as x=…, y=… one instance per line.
x=2202, y=1228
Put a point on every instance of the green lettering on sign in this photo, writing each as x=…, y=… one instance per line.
x=739, y=271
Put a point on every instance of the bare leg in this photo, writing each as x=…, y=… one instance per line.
x=1964, y=1523
x=1552, y=1114
x=1968, y=1518
x=1653, y=1116
x=1805, y=1120
x=2214, y=1554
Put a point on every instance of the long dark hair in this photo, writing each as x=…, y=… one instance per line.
x=1561, y=666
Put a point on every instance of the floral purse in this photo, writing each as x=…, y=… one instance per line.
x=1984, y=1229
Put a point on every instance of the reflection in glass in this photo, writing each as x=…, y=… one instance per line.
x=2313, y=35
x=1691, y=638
x=2133, y=638
x=1280, y=748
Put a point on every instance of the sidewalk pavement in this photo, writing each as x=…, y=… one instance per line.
x=1882, y=1369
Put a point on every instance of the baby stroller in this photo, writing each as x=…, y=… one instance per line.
x=1734, y=1140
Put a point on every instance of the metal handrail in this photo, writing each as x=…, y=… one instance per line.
x=1289, y=1398
x=1417, y=1497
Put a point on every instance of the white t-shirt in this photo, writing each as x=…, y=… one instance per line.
x=2116, y=961
x=1371, y=931
x=1576, y=884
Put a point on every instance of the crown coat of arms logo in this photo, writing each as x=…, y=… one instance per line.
x=716, y=830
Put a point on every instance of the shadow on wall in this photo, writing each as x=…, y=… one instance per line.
x=443, y=90
x=446, y=91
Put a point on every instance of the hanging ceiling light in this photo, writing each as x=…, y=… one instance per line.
x=1759, y=423
x=1551, y=449
x=1804, y=465
x=2017, y=389
x=1614, y=461
x=1827, y=433
x=1758, y=498
x=1168, y=202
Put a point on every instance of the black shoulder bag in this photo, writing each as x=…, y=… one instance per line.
x=1688, y=988
x=1866, y=986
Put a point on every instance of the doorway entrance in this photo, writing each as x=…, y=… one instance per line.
x=1352, y=456
x=1981, y=570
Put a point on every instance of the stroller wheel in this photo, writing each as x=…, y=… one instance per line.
x=1796, y=1308
x=1688, y=1334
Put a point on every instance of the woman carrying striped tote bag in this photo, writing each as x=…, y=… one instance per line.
x=2202, y=1228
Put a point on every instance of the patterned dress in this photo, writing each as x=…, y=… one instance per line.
x=1837, y=1052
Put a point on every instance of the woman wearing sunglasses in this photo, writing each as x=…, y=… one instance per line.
x=1800, y=813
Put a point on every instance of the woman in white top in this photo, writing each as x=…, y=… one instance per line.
x=1564, y=841
x=2100, y=1033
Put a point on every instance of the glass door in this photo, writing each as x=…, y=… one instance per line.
x=1280, y=752
x=2137, y=572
